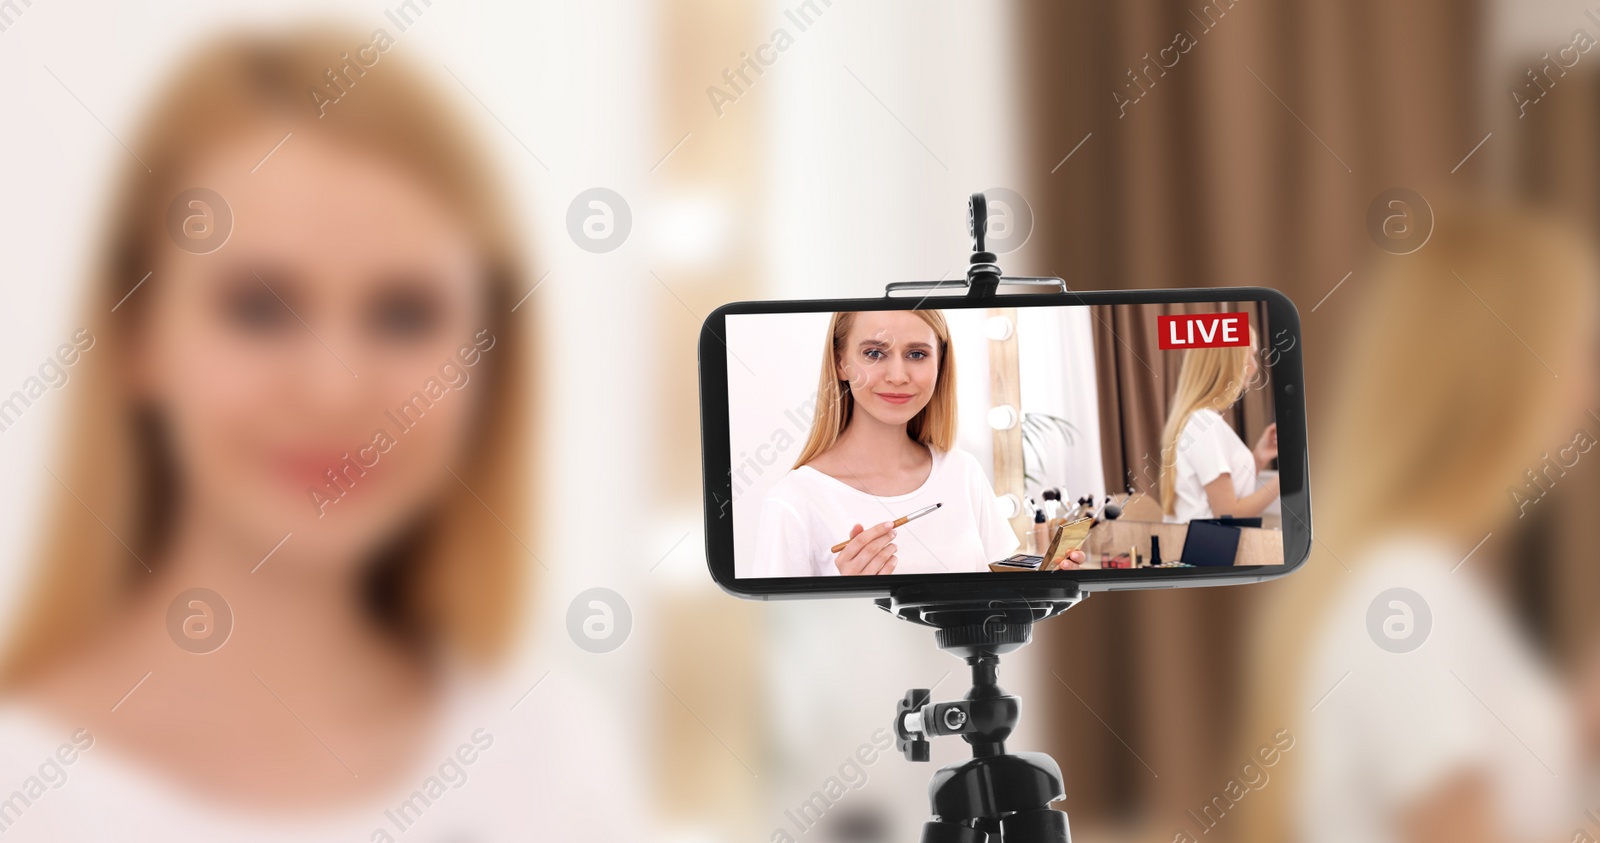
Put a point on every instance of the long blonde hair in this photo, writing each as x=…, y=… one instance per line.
x=456, y=576
x=935, y=426
x=1438, y=410
x=1210, y=379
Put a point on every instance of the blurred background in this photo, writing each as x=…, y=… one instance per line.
x=661, y=159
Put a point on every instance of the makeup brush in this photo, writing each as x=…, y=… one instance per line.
x=898, y=522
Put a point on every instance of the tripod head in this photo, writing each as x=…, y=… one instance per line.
x=974, y=621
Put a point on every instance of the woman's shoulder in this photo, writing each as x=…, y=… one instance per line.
x=1415, y=580
x=795, y=479
x=1203, y=418
x=44, y=750
x=956, y=458
x=1205, y=423
x=797, y=486
x=25, y=733
x=1413, y=560
x=576, y=761
x=957, y=465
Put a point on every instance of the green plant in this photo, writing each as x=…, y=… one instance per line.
x=1037, y=431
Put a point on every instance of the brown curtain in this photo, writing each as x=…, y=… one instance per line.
x=1555, y=155
x=1136, y=383
x=1251, y=160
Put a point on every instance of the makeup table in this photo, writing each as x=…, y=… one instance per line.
x=1257, y=545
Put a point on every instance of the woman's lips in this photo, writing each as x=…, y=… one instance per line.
x=896, y=397
x=311, y=469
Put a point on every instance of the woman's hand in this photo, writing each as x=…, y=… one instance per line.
x=869, y=551
x=1220, y=497
x=1266, y=449
x=1072, y=561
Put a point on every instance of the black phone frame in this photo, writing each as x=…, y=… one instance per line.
x=1289, y=409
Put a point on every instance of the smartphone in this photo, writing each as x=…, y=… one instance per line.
x=853, y=447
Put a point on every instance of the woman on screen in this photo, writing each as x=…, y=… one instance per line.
x=882, y=446
x=1206, y=469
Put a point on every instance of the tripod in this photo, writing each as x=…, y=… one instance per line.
x=996, y=797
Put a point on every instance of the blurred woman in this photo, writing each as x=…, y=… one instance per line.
x=1420, y=710
x=882, y=445
x=285, y=525
x=1206, y=469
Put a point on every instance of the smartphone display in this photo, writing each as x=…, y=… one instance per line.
x=1122, y=439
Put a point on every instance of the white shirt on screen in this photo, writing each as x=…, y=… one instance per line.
x=1207, y=449
x=807, y=512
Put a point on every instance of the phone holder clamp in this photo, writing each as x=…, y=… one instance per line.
x=984, y=277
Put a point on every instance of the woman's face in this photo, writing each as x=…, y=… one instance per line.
x=338, y=328
x=891, y=360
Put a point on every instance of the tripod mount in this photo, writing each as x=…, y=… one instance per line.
x=996, y=796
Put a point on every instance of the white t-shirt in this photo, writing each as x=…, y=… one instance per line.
x=807, y=512
x=489, y=773
x=1207, y=449
x=1385, y=728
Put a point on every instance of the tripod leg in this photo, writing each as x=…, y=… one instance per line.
x=1040, y=826
x=943, y=832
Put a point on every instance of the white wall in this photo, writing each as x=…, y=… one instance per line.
x=1056, y=355
x=770, y=405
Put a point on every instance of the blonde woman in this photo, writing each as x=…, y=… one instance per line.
x=882, y=445
x=1206, y=469
x=1421, y=710
x=283, y=530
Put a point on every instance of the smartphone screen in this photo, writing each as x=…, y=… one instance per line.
x=1113, y=439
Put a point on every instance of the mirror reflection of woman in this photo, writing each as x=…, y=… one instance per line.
x=1207, y=470
x=882, y=445
x=1452, y=720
